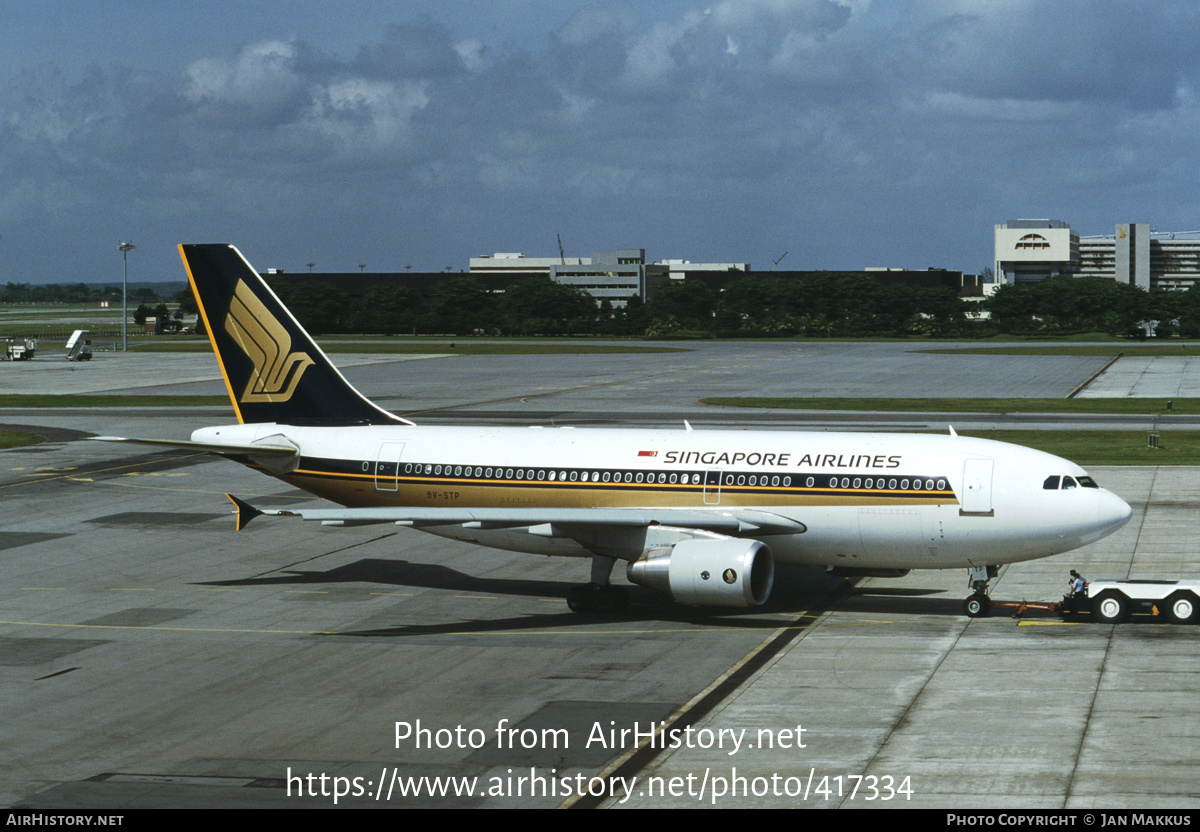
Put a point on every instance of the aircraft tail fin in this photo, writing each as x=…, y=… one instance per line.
x=273, y=370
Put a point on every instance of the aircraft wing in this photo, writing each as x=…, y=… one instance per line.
x=550, y=522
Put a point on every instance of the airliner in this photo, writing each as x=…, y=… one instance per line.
x=703, y=515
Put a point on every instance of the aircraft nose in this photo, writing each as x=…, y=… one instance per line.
x=1113, y=512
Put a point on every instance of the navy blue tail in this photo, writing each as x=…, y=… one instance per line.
x=273, y=369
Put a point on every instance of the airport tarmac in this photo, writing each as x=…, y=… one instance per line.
x=1166, y=377
x=150, y=656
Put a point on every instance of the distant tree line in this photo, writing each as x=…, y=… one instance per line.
x=77, y=293
x=820, y=304
x=1061, y=305
x=829, y=304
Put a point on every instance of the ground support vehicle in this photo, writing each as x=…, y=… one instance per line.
x=1113, y=601
x=19, y=350
x=1109, y=601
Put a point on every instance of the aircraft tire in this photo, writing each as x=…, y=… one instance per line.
x=616, y=598
x=1110, y=607
x=1181, y=608
x=583, y=598
x=977, y=605
x=596, y=598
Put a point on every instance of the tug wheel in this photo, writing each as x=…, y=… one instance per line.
x=1181, y=608
x=1110, y=607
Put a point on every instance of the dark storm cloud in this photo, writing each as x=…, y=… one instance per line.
x=859, y=134
x=1073, y=51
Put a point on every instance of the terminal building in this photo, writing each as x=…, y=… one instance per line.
x=615, y=276
x=1031, y=250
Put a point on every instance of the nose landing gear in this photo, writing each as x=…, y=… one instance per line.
x=978, y=604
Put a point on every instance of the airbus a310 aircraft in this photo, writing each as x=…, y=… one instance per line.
x=703, y=515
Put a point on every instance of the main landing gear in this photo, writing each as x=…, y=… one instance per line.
x=598, y=595
x=978, y=604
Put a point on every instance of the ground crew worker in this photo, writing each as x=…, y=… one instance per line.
x=1078, y=590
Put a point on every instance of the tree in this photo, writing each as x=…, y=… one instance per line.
x=689, y=302
x=319, y=307
x=537, y=305
x=387, y=310
x=458, y=305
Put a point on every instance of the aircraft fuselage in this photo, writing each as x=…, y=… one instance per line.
x=866, y=500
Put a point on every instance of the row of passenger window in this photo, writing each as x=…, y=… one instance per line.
x=543, y=474
x=673, y=478
x=903, y=483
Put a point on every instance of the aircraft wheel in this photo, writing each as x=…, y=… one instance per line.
x=977, y=606
x=1181, y=608
x=597, y=598
x=1110, y=607
x=614, y=598
x=583, y=598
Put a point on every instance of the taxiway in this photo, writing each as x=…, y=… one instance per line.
x=151, y=656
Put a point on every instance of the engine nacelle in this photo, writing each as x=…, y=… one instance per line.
x=713, y=573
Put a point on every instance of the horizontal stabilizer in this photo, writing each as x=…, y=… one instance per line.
x=209, y=447
x=278, y=456
x=245, y=512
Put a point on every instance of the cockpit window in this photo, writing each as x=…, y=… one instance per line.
x=1054, y=483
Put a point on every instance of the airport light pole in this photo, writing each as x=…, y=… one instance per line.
x=125, y=248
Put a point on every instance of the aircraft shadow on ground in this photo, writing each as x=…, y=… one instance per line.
x=645, y=605
x=403, y=573
x=803, y=591
x=900, y=601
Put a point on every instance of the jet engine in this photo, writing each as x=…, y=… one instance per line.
x=726, y=572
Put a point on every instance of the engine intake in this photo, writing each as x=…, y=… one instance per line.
x=709, y=573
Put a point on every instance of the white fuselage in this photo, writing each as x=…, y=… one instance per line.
x=866, y=500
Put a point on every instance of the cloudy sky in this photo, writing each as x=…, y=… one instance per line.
x=847, y=133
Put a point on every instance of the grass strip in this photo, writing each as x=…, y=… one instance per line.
x=16, y=439
x=1177, y=349
x=1105, y=447
x=966, y=405
x=53, y=400
x=383, y=347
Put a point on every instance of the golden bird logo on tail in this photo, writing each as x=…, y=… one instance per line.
x=277, y=370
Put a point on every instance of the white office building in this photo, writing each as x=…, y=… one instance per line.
x=1032, y=250
x=615, y=276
